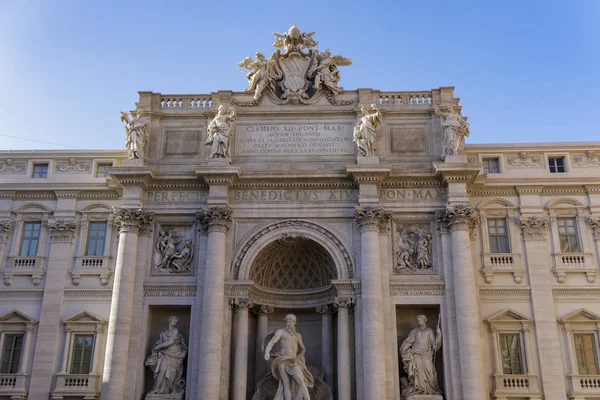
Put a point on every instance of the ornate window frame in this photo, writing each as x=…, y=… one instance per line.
x=489, y=156
x=28, y=266
x=100, y=266
x=567, y=263
x=500, y=263
x=87, y=385
x=580, y=321
x=17, y=322
x=522, y=385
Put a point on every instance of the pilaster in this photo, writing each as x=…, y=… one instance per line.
x=240, y=363
x=326, y=312
x=344, y=389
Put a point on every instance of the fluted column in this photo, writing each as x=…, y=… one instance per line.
x=373, y=338
x=327, y=341
x=459, y=219
x=131, y=222
x=213, y=303
x=344, y=383
x=260, y=364
x=241, y=348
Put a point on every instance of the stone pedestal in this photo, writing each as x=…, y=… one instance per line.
x=367, y=160
x=456, y=159
x=164, y=396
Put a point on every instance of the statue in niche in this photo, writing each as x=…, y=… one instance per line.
x=136, y=132
x=325, y=71
x=365, y=130
x=414, y=250
x=417, y=353
x=219, y=132
x=289, y=366
x=172, y=254
x=455, y=129
x=166, y=362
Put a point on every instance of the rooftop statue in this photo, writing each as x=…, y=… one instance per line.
x=365, y=130
x=455, y=127
x=298, y=75
x=219, y=132
x=136, y=132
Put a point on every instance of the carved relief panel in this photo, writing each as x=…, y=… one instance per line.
x=173, y=248
x=413, y=247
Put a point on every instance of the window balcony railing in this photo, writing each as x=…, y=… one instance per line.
x=85, y=385
x=502, y=263
x=584, y=385
x=92, y=265
x=27, y=266
x=517, y=385
x=13, y=385
x=566, y=263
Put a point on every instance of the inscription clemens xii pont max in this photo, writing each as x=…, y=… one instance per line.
x=298, y=139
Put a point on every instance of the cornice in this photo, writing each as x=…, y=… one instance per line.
x=286, y=184
x=562, y=190
x=173, y=184
x=88, y=293
x=577, y=292
x=37, y=195
x=505, y=291
x=169, y=290
x=105, y=195
x=492, y=191
x=21, y=293
x=417, y=289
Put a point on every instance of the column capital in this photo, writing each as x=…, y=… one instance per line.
x=594, y=223
x=215, y=218
x=132, y=219
x=534, y=227
x=458, y=217
x=265, y=309
x=324, y=309
x=242, y=302
x=61, y=230
x=343, y=302
x=371, y=218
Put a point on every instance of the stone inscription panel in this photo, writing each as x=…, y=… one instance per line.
x=294, y=140
x=287, y=196
x=182, y=142
x=412, y=195
x=176, y=196
x=409, y=140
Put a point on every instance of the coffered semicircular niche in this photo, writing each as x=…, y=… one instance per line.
x=293, y=262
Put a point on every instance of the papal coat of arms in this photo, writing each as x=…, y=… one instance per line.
x=296, y=75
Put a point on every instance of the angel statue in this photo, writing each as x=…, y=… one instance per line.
x=326, y=72
x=219, y=131
x=262, y=72
x=294, y=40
x=365, y=130
x=455, y=129
x=136, y=132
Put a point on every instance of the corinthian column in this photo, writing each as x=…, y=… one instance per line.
x=241, y=348
x=213, y=303
x=261, y=333
x=327, y=341
x=459, y=219
x=130, y=222
x=373, y=338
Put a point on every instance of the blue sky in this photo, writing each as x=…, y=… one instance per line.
x=526, y=71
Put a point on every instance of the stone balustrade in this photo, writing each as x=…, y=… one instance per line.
x=13, y=385
x=68, y=385
x=28, y=266
x=496, y=263
x=424, y=97
x=582, y=386
x=94, y=266
x=565, y=263
x=526, y=386
x=170, y=102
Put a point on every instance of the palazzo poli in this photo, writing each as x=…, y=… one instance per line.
x=301, y=241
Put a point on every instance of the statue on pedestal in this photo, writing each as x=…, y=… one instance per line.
x=289, y=366
x=166, y=362
x=455, y=129
x=219, y=132
x=417, y=353
x=365, y=130
x=136, y=132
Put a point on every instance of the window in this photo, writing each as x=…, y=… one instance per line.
x=557, y=164
x=103, y=170
x=30, y=239
x=567, y=235
x=498, y=235
x=491, y=166
x=512, y=360
x=585, y=348
x=11, y=353
x=96, y=238
x=40, y=170
x=82, y=354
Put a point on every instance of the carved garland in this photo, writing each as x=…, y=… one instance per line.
x=296, y=224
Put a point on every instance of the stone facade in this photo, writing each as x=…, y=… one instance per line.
x=498, y=246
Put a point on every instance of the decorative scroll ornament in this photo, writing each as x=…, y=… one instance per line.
x=458, y=216
x=136, y=132
x=132, y=217
x=594, y=223
x=524, y=161
x=215, y=218
x=587, y=160
x=370, y=217
x=298, y=74
x=73, y=165
x=5, y=227
x=61, y=230
x=365, y=130
x=455, y=127
x=533, y=227
x=11, y=166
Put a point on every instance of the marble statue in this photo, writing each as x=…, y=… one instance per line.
x=220, y=130
x=417, y=353
x=365, y=130
x=172, y=254
x=455, y=130
x=295, y=73
x=424, y=251
x=136, y=132
x=166, y=362
x=414, y=252
x=289, y=366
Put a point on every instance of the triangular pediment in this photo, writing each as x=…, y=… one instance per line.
x=15, y=316
x=84, y=316
x=581, y=315
x=508, y=315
